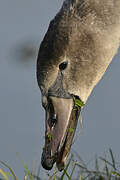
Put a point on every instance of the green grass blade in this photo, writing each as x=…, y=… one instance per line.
x=3, y=173
x=55, y=172
x=10, y=169
x=113, y=159
x=107, y=171
x=96, y=164
x=25, y=177
x=67, y=175
x=73, y=169
x=115, y=173
x=66, y=168
x=104, y=160
x=80, y=159
x=81, y=166
x=25, y=167
x=80, y=177
x=79, y=103
x=27, y=171
x=49, y=178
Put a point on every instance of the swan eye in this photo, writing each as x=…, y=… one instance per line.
x=63, y=66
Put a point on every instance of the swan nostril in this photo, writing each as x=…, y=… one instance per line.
x=53, y=120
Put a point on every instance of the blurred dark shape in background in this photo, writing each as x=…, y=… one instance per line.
x=25, y=51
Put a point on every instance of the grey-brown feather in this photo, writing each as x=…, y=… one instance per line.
x=86, y=33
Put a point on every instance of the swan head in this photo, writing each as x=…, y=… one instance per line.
x=59, y=80
x=62, y=74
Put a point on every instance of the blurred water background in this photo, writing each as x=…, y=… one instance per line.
x=22, y=26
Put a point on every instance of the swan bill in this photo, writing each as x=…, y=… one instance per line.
x=61, y=121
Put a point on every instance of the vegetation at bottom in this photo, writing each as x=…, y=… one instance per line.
x=104, y=169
